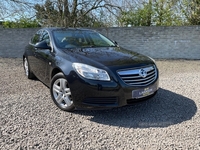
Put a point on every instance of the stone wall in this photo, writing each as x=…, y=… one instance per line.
x=157, y=42
x=13, y=41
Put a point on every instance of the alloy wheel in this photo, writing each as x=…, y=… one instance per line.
x=26, y=68
x=62, y=93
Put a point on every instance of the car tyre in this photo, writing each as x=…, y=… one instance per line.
x=27, y=70
x=60, y=93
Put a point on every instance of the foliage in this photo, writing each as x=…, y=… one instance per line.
x=166, y=13
x=156, y=12
x=46, y=14
x=21, y=23
x=139, y=17
x=100, y=13
x=191, y=10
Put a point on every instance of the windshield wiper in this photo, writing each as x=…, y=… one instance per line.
x=86, y=46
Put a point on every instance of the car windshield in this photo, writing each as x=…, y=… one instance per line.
x=80, y=39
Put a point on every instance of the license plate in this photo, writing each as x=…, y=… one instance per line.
x=144, y=92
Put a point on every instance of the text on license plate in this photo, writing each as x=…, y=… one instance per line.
x=143, y=92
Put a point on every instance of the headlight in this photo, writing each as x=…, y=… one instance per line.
x=90, y=72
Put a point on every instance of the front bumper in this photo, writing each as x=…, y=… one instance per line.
x=90, y=94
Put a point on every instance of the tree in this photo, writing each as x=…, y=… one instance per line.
x=71, y=13
x=141, y=16
x=10, y=9
x=153, y=12
x=98, y=13
x=166, y=13
x=191, y=10
x=47, y=13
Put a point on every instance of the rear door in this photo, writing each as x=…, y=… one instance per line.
x=31, y=50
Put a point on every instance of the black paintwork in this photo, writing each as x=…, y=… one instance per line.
x=47, y=60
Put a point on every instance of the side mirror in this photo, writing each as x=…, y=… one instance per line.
x=116, y=43
x=42, y=45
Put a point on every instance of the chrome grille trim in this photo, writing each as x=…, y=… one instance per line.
x=143, y=79
x=133, y=78
x=134, y=71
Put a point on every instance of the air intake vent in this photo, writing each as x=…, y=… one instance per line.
x=101, y=100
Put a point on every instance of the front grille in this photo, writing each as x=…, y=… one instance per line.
x=139, y=76
x=101, y=100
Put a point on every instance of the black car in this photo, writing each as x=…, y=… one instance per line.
x=86, y=70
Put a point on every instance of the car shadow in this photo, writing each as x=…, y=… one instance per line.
x=165, y=109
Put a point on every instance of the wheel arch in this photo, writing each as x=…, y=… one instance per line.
x=23, y=57
x=55, y=71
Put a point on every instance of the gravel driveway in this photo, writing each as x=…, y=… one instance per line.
x=171, y=120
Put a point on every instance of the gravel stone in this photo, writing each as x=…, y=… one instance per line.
x=170, y=120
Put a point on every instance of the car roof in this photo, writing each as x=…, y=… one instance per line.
x=50, y=29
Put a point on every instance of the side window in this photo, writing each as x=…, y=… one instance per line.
x=45, y=37
x=35, y=39
x=41, y=35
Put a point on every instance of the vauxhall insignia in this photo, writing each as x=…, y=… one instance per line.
x=75, y=78
x=142, y=73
